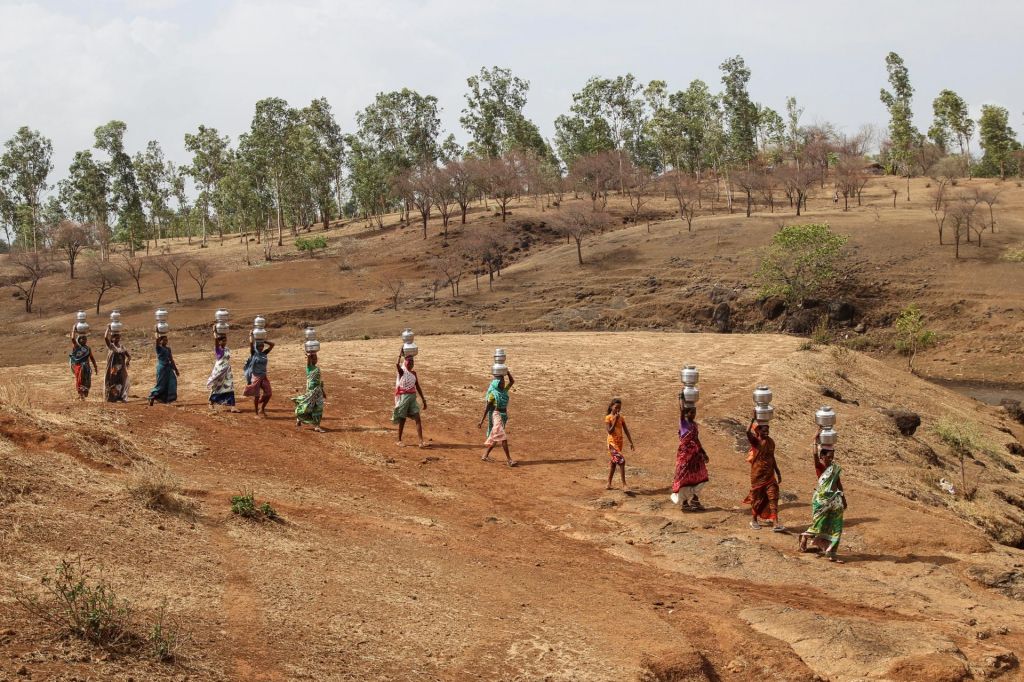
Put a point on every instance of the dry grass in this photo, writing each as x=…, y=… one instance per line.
x=157, y=487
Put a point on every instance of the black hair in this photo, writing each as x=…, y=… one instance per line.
x=615, y=401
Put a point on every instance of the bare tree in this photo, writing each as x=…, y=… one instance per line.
x=393, y=287
x=962, y=215
x=488, y=249
x=171, y=265
x=940, y=207
x=443, y=194
x=687, y=193
x=638, y=183
x=595, y=173
x=578, y=223
x=71, y=239
x=103, y=276
x=988, y=197
x=133, y=266
x=33, y=266
x=417, y=184
x=748, y=181
x=451, y=267
x=461, y=174
x=504, y=180
x=201, y=273
x=797, y=183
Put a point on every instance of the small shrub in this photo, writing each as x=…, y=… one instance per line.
x=806, y=345
x=156, y=487
x=245, y=506
x=1014, y=254
x=311, y=244
x=964, y=439
x=820, y=334
x=856, y=343
x=911, y=336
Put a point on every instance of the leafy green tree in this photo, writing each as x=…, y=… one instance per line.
x=740, y=112
x=771, y=133
x=911, y=335
x=85, y=192
x=794, y=132
x=952, y=122
x=576, y=138
x=272, y=141
x=997, y=139
x=25, y=166
x=700, y=122
x=403, y=126
x=155, y=186
x=209, y=157
x=127, y=199
x=614, y=105
x=324, y=157
x=494, y=116
x=902, y=133
x=801, y=262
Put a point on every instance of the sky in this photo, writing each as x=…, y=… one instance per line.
x=166, y=66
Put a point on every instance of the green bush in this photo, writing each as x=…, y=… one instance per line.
x=245, y=506
x=1014, y=255
x=800, y=262
x=911, y=335
x=311, y=244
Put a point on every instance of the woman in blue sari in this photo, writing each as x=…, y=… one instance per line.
x=166, y=389
x=496, y=415
x=79, y=359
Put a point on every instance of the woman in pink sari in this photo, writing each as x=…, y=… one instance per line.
x=691, y=461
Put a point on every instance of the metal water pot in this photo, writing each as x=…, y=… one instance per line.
x=410, y=350
x=691, y=394
x=162, y=328
x=260, y=322
x=161, y=315
x=310, y=334
x=221, y=328
x=312, y=346
x=116, y=327
x=408, y=336
x=80, y=316
x=82, y=327
x=115, y=316
x=499, y=356
x=222, y=315
x=825, y=416
x=259, y=334
x=689, y=375
x=828, y=437
x=762, y=395
x=764, y=413
x=499, y=369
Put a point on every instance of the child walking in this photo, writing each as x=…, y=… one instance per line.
x=615, y=424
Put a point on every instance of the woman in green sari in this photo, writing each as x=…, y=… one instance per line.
x=166, y=389
x=827, y=507
x=309, y=407
x=496, y=415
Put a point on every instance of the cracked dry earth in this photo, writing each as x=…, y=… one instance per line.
x=406, y=564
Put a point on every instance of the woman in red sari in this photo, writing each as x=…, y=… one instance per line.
x=765, y=478
x=691, y=461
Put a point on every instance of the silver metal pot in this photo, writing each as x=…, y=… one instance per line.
x=162, y=328
x=260, y=322
x=762, y=395
x=116, y=327
x=115, y=316
x=312, y=346
x=410, y=350
x=80, y=316
x=259, y=334
x=161, y=315
x=689, y=375
x=222, y=315
x=764, y=413
x=499, y=369
x=310, y=334
x=221, y=328
x=82, y=327
x=408, y=336
x=825, y=416
x=499, y=356
x=691, y=394
x=828, y=437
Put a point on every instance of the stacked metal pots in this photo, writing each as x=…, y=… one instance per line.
x=259, y=328
x=221, y=325
x=116, y=325
x=81, y=326
x=500, y=366
x=161, y=322
x=409, y=348
x=690, y=376
x=763, y=409
x=312, y=345
x=825, y=417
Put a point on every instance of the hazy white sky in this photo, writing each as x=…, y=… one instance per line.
x=166, y=66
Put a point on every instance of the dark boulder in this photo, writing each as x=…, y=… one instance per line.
x=801, y=321
x=772, y=307
x=1015, y=448
x=721, y=318
x=905, y=420
x=841, y=311
x=720, y=294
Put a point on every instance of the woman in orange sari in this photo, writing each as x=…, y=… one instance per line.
x=765, y=478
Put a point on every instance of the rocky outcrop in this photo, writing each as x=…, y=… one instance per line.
x=905, y=420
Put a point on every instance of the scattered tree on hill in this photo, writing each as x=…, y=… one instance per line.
x=962, y=215
x=272, y=142
x=911, y=335
x=201, y=273
x=952, y=122
x=902, y=133
x=442, y=192
x=32, y=266
x=595, y=174
x=940, y=207
x=989, y=197
x=133, y=266
x=124, y=185
x=578, y=223
x=71, y=239
x=801, y=262
x=494, y=117
x=463, y=184
x=210, y=159
x=104, y=276
x=997, y=139
x=797, y=182
x=393, y=286
x=171, y=265
x=740, y=112
x=451, y=267
x=24, y=168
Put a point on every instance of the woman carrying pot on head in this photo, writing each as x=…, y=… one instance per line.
x=496, y=415
x=80, y=359
x=115, y=379
x=828, y=503
x=407, y=385
x=166, y=389
x=691, y=472
x=765, y=477
x=257, y=383
x=221, y=383
x=309, y=407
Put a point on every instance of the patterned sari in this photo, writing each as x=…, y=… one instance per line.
x=221, y=383
x=763, y=497
x=166, y=389
x=309, y=407
x=79, y=361
x=826, y=527
x=691, y=470
x=497, y=399
x=115, y=379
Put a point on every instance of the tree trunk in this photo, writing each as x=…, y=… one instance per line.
x=579, y=250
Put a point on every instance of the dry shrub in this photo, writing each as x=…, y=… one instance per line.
x=158, y=488
x=16, y=396
x=1014, y=254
